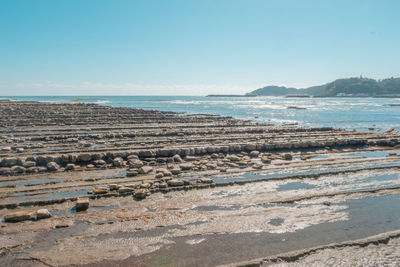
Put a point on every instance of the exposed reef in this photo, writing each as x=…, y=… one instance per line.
x=109, y=186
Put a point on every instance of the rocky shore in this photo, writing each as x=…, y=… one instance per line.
x=109, y=185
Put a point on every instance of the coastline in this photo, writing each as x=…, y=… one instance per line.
x=177, y=184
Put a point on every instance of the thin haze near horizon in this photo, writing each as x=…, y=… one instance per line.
x=178, y=47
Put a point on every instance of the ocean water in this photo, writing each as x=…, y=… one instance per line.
x=346, y=113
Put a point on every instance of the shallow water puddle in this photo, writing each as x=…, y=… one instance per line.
x=295, y=186
x=366, y=217
x=252, y=176
x=40, y=182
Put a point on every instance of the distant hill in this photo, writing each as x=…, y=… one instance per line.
x=341, y=87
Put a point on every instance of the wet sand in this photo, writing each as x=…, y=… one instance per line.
x=169, y=189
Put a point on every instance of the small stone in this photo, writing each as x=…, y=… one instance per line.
x=43, y=214
x=287, y=156
x=159, y=175
x=62, y=225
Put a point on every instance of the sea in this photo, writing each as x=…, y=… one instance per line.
x=363, y=114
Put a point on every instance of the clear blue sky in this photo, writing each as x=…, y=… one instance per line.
x=176, y=47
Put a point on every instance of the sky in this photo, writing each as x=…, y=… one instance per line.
x=192, y=47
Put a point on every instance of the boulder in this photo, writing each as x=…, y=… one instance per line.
x=164, y=171
x=118, y=162
x=17, y=169
x=100, y=190
x=146, y=154
x=206, y=180
x=99, y=162
x=190, y=158
x=257, y=166
x=70, y=167
x=176, y=171
x=84, y=157
x=124, y=189
x=82, y=203
x=265, y=160
x=211, y=166
x=28, y=164
x=145, y=169
x=52, y=166
x=186, y=166
x=250, y=147
x=6, y=149
x=175, y=182
x=140, y=193
x=254, y=154
x=131, y=173
x=145, y=185
x=233, y=158
x=9, y=162
x=163, y=185
x=5, y=171
x=132, y=157
x=214, y=155
x=113, y=187
x=177, y=158
x=19, y=216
